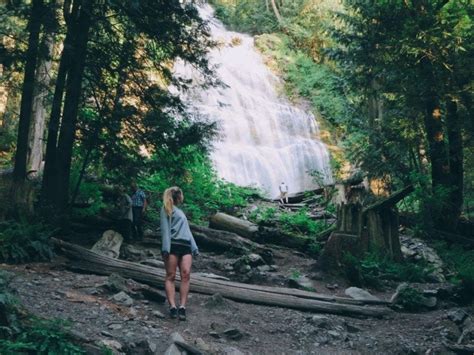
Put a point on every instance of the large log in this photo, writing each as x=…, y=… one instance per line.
x=89, y=261
x=224, y=241
x=233, y=224
x=262, y=235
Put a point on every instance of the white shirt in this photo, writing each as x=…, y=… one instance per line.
x=283, y=187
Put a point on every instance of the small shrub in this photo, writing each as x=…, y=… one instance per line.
x=373, y=268
x=410, y=299
x=461, y=262
x=22, y=242
x=263, y=216
x=41, y=337
x=300, y=223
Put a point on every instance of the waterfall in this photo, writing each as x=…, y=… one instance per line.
x=264, y=138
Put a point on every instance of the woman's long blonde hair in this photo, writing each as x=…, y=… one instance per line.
x=171, y=197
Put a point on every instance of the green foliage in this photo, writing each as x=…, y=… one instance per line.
x=89, y=194
x=41, y=337
x=300, y=223
x=373, y=268
x=263, y=216
x=249, y=16
x=410, y=299
x=204, y=193
x=460, y=261
x=23, y=242
x=30, y=335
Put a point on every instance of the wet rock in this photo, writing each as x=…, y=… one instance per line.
x=360, y=294
x=122, y=298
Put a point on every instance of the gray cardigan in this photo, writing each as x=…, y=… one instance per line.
x=178, y=230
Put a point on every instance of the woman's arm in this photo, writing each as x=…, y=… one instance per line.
x=165, y=232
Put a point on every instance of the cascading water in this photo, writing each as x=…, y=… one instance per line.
x=265, y=139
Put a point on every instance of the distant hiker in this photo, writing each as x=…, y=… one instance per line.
x=125, y=216
x=139, y=204
x=283, y=192
x=178, y=247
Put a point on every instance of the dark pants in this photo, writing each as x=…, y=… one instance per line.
x=137, y=226
x=125, y=228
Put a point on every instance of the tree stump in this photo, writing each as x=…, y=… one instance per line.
x=373, y=228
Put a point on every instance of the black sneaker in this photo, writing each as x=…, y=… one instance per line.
x=173, y=312
x=182, y=313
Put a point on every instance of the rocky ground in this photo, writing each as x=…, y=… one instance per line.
x=128, y=323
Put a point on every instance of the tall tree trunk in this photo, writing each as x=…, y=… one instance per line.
x=3, y=96
x=50, y=168
x=71, y=106
x=34, y=26
x=454, y=128
x=276, y=11
x=37, y=125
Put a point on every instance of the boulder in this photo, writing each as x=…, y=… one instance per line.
x=109, y=245
x=360, y=294
x=123, y=298
x=301, y=282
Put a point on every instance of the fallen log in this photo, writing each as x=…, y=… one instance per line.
x=224, y=241
x=262, y=235
x=87, y=260
x=233, y=224
x=213, y=240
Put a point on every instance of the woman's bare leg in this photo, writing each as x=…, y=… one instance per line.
x=171, y=263
x=185, y=272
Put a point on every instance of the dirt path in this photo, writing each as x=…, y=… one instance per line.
x=217, y=325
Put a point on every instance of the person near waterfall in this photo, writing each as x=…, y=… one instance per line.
x=283, y=192
x=178, y=248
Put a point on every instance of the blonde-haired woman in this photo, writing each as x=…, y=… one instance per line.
x=178, y=248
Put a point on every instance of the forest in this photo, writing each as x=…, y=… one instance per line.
x=365, y=108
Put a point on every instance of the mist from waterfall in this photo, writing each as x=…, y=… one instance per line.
x=264, y=139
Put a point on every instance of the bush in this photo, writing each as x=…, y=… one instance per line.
x=300, y=223
x=22, y=242
x=410, y=299
x=460, y=262
x=204, y=193
x=373, y=268
x=40, y=336
x=263, y=216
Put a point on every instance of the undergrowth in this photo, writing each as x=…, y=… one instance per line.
x=20, y=334
x=460, y=262
x=23, y=242
x=372, y=269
